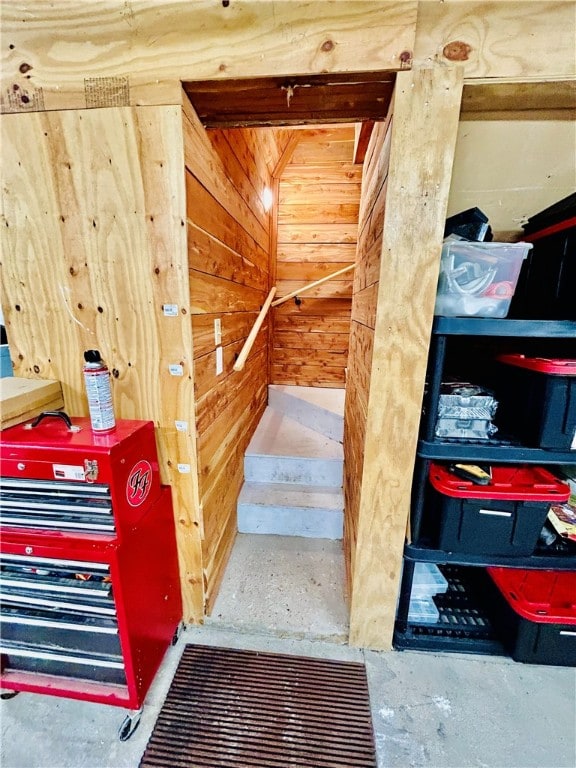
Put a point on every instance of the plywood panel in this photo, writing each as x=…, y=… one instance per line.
x=506, y=39
x=151, y=48
x=425, y=123
x=94, y=239
x=320, y=253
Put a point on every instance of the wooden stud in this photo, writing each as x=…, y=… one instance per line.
x=424, y=128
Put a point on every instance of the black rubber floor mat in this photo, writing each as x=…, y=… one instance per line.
x=235, y=708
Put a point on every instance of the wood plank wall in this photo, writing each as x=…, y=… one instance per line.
x=425, y=124
x=228, y=252
x=319, y=195
x=93, y=248
x=363, y=320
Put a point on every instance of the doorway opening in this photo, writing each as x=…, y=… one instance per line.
x=299, y=142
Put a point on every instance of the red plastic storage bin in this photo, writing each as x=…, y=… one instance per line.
x=536, y=611
x=503, y=518
x=537, y=399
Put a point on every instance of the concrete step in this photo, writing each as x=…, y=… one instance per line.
x=318, y=408
x=291, y=510
x=284, y=451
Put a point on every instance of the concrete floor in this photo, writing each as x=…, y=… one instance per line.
x=429, y=710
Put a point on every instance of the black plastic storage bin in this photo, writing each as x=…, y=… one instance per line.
x=535, y=613
x=504, y=518
x=545, y=288
x=537, y=401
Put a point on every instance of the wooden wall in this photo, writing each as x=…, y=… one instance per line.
x=319, y=194
x=228, y=251
x=93, y=250
x=425, y=123
x=511, y=169
x=363, y=320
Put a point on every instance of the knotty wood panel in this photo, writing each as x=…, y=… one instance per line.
x=150, y=47
x=234, y=325
x=317, y=253
x=93, y=246
x=506, y=39
x=317, y=226
x=425, y=124
x=229, y=234
x=317, y=233
x=363, y=320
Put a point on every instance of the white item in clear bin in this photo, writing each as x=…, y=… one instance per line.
x=423, y=611
x=427, y=581
x=478, y=279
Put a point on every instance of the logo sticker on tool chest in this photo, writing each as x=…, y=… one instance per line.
x=139, y=483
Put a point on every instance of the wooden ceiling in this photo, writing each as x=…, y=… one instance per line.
x=301, y=100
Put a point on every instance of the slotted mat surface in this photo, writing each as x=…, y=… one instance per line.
x=237, y=708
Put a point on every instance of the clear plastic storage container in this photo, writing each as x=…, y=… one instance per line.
x=478, y=279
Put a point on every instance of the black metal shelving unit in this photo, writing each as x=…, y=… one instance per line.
x=463, y=626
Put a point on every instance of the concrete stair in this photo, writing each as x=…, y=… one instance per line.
x=318, y=408
x=293, y=466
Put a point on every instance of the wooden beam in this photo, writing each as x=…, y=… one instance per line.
x=424, y=128
x=505, y=39
x=283, y=161
x=139, y=52
x=485, y=100
x=361, y=140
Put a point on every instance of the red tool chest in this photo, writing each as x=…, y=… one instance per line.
x=89, y=575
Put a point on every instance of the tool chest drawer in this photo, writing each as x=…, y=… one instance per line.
x=89, y=583
x=59, y=618
x=56, y=506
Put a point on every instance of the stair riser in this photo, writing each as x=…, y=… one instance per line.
x=320, y=420
x=282, y=469
x=290, y=521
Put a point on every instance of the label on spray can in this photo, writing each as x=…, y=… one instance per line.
x=99, y=392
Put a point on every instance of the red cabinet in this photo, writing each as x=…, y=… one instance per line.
x=89, y=575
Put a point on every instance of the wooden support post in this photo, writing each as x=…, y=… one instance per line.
x=426, y=111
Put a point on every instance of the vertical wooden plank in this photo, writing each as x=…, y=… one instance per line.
x=93, y=247
x=426, y=111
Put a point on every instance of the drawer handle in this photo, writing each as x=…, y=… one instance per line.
x=567, y=633
x=495, y=513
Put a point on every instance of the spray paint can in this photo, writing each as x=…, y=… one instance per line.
x=99, y=392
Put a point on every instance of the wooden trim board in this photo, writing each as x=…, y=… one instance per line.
x=424, y=128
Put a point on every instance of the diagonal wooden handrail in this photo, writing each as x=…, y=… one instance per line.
x=239, y=364
x=308, y=286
